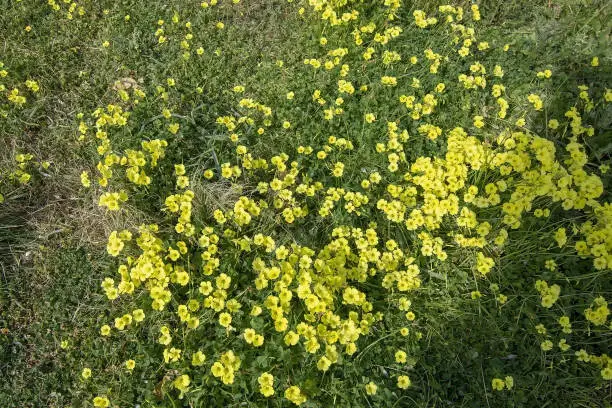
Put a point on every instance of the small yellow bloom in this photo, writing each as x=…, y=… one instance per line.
x=294, y=394
x=85, y=179
x=138, y=315
x=546, y=345
x=101, y=402
x=182, y=382
x=400, y=356
x=225, y=319
x=371, y=388
x=403, y=382
x=497, y=384
x=86, y=373
x=198, y=358
x=173, y=128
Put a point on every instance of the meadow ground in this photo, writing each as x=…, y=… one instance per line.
x=318, y=203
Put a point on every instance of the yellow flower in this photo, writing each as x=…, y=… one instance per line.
x=549, y=294
x=294, y=394
x=105, y=330
x=101, y=402
x=403, y=382
x=323, y=364
x=536, y=101
x=182, y=382
x=546, y=345
x=338, y=169
x=258, y=340
x=86, y=373
x=291, y=338
x=223, y=281
x=32, y=86
x=172, y=354
x=388, y=81
x=225, y=319
x=198, y=358
x=179, y=169
x=563, y=346
x=217, y=369
x=249, y=335
x=85, y=179
x=598, y=312
x=266, y=383
x=582, y=355
x=138, y=315
x=606, y=372
x=130, y=364
x=371, y=388
x=497, y=384
x=256, y=311
x=173, y=128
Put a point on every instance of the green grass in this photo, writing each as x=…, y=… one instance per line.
x=53, y=235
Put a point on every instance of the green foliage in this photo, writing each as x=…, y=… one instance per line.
x=469, y=327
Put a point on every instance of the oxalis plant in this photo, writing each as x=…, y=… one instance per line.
x=402, y=207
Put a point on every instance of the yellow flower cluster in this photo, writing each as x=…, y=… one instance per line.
x=316, y=298
x=226, y=367
x=421, y=20
x=498, y=384
x=294, y=394
x=116, y=241
x=598, y=312
x=549, y=294
x=266, y=384
x=112, y=200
